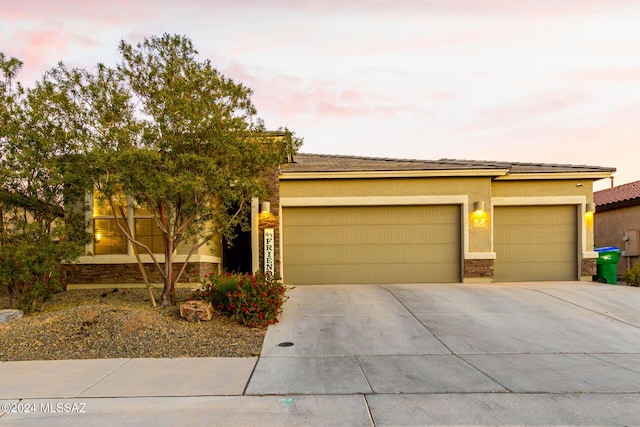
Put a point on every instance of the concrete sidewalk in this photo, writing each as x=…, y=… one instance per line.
x=454, y=354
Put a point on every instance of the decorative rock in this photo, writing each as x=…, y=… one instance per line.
x=10, y=314
x=195, y=311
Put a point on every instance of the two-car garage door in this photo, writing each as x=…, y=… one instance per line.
x=371, y=244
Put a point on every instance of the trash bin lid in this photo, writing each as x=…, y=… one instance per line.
x=607, y=249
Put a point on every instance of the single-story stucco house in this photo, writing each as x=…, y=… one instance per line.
x=347, y=219
x=617, y=222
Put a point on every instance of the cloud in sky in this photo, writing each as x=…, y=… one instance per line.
x=512, y=80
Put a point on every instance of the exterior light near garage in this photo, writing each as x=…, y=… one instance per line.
x=479, y=217
x=588, y=214
x=265, y=208
x=266, y=217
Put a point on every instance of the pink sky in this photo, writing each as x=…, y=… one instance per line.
x=554, y=81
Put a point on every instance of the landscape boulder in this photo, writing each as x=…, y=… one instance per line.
x=195, y=311
x=10, y=314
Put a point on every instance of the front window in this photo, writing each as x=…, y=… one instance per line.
x=147, y=231
x=109, y=239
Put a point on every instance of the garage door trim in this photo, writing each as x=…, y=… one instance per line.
x=580, y=201
x=461, y=200
x=375, y=201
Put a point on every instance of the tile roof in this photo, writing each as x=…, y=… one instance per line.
x=516, y=167
x=621, y=193
x=340, y=163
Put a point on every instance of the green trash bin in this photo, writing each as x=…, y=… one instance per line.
x=607, y=264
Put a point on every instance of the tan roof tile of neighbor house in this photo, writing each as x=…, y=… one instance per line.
x=340, y=163
x=621, y=193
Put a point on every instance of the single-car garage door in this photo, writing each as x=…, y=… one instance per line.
x=535, y=243
x=371, y=244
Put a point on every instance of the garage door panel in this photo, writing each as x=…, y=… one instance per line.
x=370, y=273
x=378, y=244
x=532, y=271
x=366, y=254
x=531, y=254
x=535, y=215
x=361, y=234
x=535, y=243
x=335, y=235
x=419, y=254
x=534, y=234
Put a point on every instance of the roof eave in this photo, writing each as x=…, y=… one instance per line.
x=555, y=175
x=395, y=174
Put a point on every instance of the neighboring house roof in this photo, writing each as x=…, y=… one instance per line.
x=620, y=196
x=327, y=163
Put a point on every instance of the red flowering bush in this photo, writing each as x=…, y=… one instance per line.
x=251, y=299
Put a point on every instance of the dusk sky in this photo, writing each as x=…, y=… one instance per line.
x=555, y=81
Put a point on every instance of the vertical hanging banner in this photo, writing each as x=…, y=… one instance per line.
x=269, y=252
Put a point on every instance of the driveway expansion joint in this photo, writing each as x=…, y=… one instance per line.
x=587, y=308
x=417, y=318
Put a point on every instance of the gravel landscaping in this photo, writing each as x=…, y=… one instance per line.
x=120, y=323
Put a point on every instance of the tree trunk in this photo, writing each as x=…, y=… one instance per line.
x=125, y=227
x=167, y=291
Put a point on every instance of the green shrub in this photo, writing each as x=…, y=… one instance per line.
x=632, y=276
x=252, y=300
x=30, y=258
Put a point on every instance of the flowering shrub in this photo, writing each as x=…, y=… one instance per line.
x=253, y=300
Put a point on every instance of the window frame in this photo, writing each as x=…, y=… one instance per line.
x=131, y=223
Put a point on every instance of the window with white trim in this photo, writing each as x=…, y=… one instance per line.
x=109, y=239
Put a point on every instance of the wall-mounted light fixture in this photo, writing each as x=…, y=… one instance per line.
x=589, y=209
x=266, y=218
x=479, y=217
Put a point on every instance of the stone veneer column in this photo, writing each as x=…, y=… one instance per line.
x=478, y=269
x=272, y=221
x=588, y=267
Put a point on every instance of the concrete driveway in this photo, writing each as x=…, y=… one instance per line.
x=525, y=353
x=368, y=355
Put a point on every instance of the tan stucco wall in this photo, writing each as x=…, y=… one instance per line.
x=384, y=187
x=543, y=188
x=213, y=248
x=610, y=227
